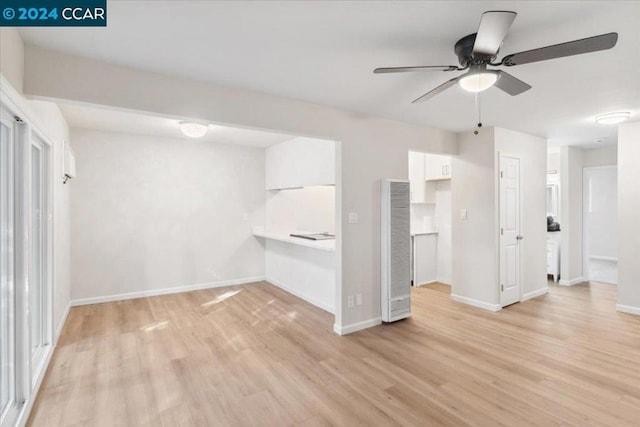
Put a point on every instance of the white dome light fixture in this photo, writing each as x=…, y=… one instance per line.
x=478, y=81
x=193, y=130
x=613, y=118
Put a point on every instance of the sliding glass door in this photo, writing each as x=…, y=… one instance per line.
x=26, y=255
x=7, y=293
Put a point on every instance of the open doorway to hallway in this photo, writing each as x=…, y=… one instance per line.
x=599, y=224
x=430, y=220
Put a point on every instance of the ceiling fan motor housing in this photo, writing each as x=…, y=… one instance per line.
x=464, y=52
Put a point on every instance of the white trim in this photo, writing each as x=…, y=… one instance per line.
x=476, y=303
x=300, y=295
x=628, y=309
x=358, y=326
x=164, y=291
x=604, y=258
x=61, y=324
x=534, y=294
x=428, y=283
x=571, y=282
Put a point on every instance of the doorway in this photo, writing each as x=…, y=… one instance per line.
x=600, y=257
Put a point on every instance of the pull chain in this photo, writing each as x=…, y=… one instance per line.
x=479, y=110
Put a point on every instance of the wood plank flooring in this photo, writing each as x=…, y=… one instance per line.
x=254, y=355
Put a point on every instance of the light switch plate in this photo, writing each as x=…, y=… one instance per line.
x=350, y=301
x=358, y=299
x=463, y=214
x=245, y=217
x=353, y=218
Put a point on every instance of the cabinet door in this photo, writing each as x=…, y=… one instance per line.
x=416, y=177
x=425, y=259
x=437, y=167
x=446, y=166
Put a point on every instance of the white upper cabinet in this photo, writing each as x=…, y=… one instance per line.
x=437, y=167
x=420, y=190
x=300, y=162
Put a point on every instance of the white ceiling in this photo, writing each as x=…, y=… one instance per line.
x=324, y=52
x=91, y=117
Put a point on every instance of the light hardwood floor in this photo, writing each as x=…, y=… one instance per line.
x=255, y=355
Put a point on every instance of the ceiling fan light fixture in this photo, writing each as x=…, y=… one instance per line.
x=193, y=130
x=478, y=82
x=613, y=118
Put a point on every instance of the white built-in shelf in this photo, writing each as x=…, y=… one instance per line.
x=323, y=245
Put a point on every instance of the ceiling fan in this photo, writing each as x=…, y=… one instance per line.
x=476, y=51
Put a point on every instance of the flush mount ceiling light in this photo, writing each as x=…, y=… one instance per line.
x=478, y=81
x=613, y=118
x=193, y=130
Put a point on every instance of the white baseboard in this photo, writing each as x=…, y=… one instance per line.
x=358, y=326
x=628, y=309
x=571, y=282
x=603, y=258
x=165, y=291
x=308, y=299
x=536, y=293
x=58, y=330
x=426, y=283
x=476, y=303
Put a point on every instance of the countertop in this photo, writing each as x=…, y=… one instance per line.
x=323, y=245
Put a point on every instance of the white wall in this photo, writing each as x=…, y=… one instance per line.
x=532, y=151
x=628, y=208
x=474, y=187
x=12, y=57
x=571, y=215
x=443, y=217
x=604, y=156
x=301, y=209
x=474, y=263
x=152, y=213
x=370, y=148
x=601, y=212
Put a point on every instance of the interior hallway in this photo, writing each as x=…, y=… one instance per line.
x=255, y=355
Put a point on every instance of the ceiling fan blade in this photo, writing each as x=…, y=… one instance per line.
x=420, y=68
x=576, y=47
x=512, y=85
x=444, y=86
x=493, y=28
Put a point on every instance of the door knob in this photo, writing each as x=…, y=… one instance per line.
x=519, y=237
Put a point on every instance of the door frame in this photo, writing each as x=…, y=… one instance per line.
x=585, y=223
x=500, y=155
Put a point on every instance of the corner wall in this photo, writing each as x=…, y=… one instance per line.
x=628, y=208
x=370, y=148
x=475, y=188
x=474, y=262
x=533, y=172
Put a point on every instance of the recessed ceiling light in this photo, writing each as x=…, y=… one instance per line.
x=477, y=82
x=598, y=140
x=193, y=130
x=613, y=118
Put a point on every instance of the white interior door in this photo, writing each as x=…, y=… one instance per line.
x=510, y=237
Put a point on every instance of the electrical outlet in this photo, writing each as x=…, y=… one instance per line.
x=359, y=299
x=350, y=301
x=353, y=218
